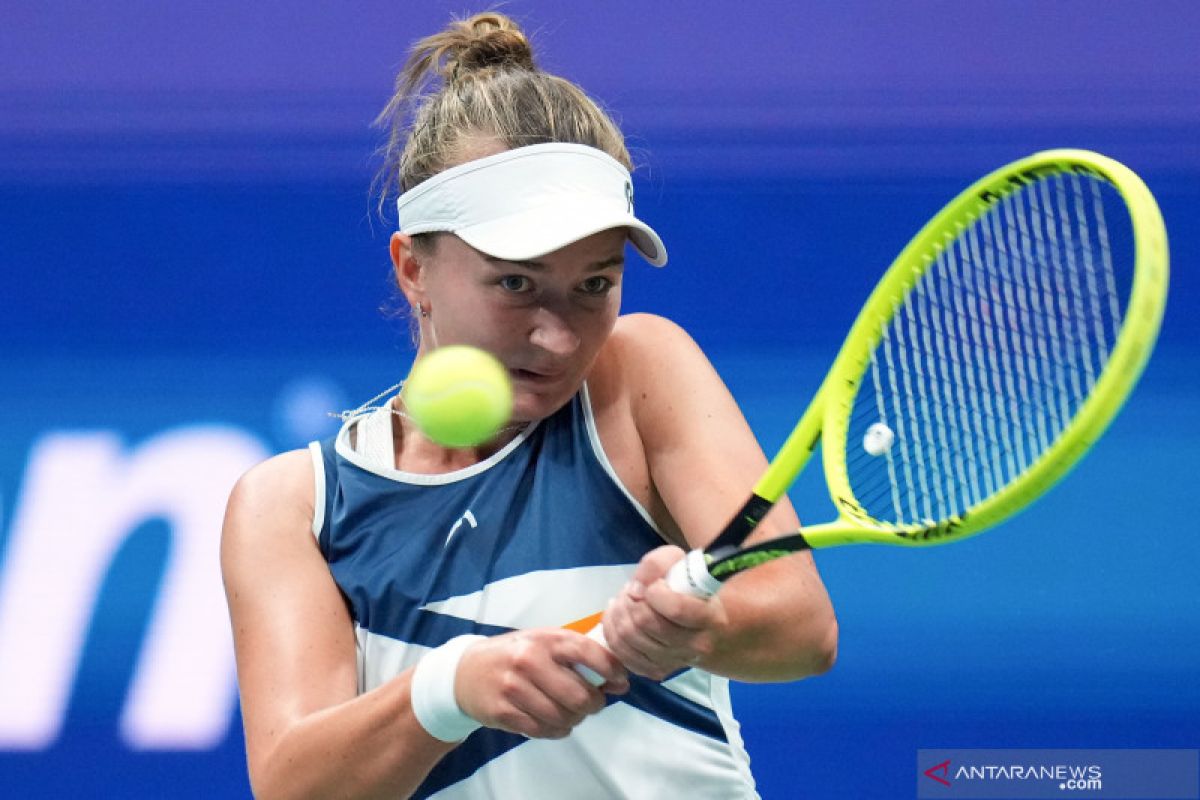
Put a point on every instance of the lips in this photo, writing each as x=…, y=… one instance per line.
x=530, y=376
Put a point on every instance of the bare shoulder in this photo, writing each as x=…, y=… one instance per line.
x=702, y=459
x=664, y=371
x=274, y=500
x=651, y=370
x=279, y=477
x=646, y=334
x=643, y=350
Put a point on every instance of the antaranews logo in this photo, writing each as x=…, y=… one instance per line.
x=1068, y=776
x=939, y=772
x=1054, y=773
x=1017, y=770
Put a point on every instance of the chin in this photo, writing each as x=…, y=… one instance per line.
x=529, y=406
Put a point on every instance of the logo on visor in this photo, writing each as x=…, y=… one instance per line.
x=629, y=196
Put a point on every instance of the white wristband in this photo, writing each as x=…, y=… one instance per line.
x=433, y=700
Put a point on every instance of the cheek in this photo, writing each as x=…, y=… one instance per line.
x=467, y=318
x=601, y=325
x=594, y=324
x=593, y=331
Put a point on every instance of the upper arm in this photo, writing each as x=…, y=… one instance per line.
x=292, y=632
x=703, y=460
x=702, y=456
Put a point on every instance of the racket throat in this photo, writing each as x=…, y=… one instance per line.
x=742, y=524
x=725, y=562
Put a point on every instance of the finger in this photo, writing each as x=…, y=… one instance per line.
x=565, y=683
x=622, y=640
x=654, y=565
x=639, y=652
x=524, y=682
x=599, y=660
x=527, y=709
x=574, y=696
x=659, y=639
x=681, y=610
x=667, y=618
x=689, y=624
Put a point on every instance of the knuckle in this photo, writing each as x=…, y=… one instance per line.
x=644, y=618
x=619, y=629
x=525, y=659
x=510, y=687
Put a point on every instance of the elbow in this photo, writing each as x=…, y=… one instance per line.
x=267, y=779
x=261, y=788
x=824, y=654
x=812, y=652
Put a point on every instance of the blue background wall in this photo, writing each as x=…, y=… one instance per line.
x=191, y=276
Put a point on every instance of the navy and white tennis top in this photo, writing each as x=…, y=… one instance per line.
x=540, y=534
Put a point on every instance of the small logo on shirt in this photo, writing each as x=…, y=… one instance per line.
x=468, y=518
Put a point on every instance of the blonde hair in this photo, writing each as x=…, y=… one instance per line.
x=474, y=89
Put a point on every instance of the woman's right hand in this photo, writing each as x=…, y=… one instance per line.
x=525, y=682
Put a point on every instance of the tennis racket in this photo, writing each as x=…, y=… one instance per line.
x=991, y=356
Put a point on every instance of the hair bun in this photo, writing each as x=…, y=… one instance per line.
x=485, y=42
x=475, y=81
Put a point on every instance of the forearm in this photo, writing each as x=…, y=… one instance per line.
x=371, y=746
x=779, y=626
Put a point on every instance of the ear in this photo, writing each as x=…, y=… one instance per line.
x=410, y=275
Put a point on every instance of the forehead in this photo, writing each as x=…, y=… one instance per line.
x=598, y=251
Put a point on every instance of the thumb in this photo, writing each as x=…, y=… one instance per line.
x=653, y=566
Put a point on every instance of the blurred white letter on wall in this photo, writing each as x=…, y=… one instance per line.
x=83, y=494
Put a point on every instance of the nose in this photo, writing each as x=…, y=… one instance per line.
x=551, y=333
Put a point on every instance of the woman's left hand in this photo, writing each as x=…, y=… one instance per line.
x=655, y=630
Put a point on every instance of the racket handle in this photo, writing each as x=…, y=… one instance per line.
x=690, y=576
x=590, y=675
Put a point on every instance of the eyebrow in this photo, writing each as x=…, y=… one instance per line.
x=540, y=266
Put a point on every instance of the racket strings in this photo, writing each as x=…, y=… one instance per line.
x=988, y=358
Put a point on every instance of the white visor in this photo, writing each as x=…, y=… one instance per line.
x=523, y=203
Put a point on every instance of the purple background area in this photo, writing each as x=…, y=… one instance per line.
x=269, y=90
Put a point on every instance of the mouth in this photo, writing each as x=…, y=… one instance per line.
x=529, y=376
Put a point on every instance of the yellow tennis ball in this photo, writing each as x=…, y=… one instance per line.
x=459, y=396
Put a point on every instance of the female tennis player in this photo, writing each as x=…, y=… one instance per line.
x=401, y=610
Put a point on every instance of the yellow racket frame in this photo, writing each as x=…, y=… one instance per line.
x=827, y=417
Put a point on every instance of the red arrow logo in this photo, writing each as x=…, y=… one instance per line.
x=943, y=768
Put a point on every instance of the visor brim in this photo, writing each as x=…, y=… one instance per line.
x=533, y=233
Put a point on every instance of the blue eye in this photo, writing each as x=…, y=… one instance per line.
x=514, y=283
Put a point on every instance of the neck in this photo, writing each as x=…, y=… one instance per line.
x=415, y=452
